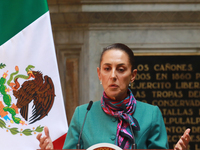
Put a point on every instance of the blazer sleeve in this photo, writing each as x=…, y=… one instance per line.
x=158, y=135
x=73, y=132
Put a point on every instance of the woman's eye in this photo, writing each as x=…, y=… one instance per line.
x=121, y=70
x=107, y=69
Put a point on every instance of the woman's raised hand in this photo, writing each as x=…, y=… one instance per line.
x=45, y=142
x=183, y=142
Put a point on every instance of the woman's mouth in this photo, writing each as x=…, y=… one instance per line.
x=113, y=85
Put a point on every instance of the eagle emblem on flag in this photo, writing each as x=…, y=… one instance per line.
x=31, y=87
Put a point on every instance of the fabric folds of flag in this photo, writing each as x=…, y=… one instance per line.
x=30, y=90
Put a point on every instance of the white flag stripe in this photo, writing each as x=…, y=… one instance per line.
x=34, y=46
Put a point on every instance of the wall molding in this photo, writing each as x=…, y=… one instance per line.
x=68, y=57
x=122, y=2
x=89, y=18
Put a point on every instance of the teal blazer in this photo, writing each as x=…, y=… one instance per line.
x=101, y=128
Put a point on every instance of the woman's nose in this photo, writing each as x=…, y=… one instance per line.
x=113, y=74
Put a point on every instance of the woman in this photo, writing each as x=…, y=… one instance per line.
x=109, y=119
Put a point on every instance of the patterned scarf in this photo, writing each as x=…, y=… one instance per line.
x=124, y=138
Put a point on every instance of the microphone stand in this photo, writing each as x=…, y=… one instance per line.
x=78, y=145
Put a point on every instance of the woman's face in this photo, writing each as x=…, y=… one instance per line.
x=115, y=73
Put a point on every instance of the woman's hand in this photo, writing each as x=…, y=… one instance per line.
x=183, y=142
x=45, y=142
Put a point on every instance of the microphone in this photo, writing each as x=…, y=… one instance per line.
x=78, y=146
x=134, y=145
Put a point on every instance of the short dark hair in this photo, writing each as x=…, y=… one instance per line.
x=122, y=47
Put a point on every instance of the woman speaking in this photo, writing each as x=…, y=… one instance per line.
x=117, y=118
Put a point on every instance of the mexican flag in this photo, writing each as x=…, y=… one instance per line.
x=30, y=89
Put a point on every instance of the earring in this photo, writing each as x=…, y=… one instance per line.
x=130, y=84
x=100, y=82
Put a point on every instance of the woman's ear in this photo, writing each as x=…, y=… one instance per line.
x=133, y=75
x=99, y=73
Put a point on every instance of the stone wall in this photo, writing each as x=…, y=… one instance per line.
x=82, y=28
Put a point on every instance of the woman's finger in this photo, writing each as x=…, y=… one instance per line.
x=39, y=136
x=182, y=143
x=46, y=131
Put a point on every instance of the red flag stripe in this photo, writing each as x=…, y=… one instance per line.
x=59, y=142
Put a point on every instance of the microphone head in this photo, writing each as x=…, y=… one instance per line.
x=89, y=105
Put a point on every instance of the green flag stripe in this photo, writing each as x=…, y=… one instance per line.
x=15, y=15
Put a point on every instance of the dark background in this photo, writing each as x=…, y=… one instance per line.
x=186, y=111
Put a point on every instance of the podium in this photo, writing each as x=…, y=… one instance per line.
x=108, y=146
x=104, y=146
